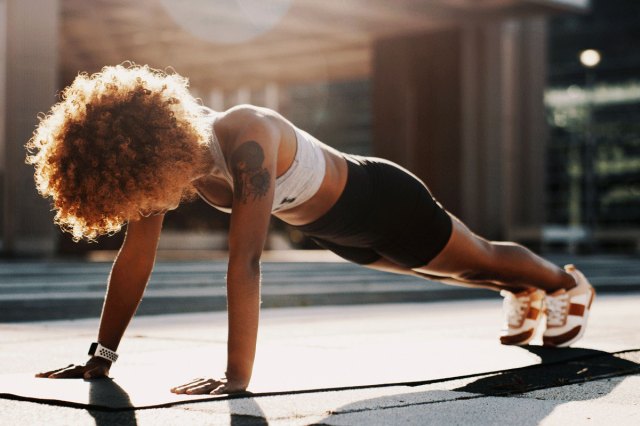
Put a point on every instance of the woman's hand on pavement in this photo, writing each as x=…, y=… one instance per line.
x=94, y=368
x=210, y=387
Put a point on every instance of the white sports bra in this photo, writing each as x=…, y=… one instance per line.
x=297, y=185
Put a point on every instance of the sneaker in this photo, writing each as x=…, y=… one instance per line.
x=523, y=312
x=568, y=311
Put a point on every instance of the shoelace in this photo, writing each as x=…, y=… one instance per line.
x=557, y=309
x=513, y=307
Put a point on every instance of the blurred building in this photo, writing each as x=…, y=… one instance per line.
x=451, y=89
x=593, y=161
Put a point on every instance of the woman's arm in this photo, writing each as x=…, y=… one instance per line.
x=127, y=281
x=253, y=165
x=252, y=161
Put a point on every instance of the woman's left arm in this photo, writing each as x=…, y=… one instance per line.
x=253, y=165
x=252, y=161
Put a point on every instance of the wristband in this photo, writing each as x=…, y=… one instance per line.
x=96, y=349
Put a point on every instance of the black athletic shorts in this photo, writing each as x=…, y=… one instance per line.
x=384, y=212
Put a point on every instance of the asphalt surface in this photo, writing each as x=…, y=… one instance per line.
x=324, y=357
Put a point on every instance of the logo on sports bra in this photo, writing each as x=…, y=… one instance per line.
x=287, y=200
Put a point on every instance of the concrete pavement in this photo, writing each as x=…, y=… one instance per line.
x=377, y=363
x=408, y=363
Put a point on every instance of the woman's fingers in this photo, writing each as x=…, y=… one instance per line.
x=182, y=388
x=49, y=373
x=71, y=372
x=92, y=370
x=197, y=387
x=204, y=388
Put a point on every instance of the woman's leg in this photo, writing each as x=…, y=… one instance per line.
x=472, y=260
x=388, y=266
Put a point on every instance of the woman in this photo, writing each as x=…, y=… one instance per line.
x=130, y=143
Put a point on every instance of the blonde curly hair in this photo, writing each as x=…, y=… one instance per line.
x=126, y=140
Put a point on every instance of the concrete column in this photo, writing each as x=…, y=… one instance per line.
x=504, y=130
x=463, y=109
x=30, y=28
x=417, y=108
x=525, y=132
x=481, y=157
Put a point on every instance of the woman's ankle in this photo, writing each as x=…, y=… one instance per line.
x=565, y=282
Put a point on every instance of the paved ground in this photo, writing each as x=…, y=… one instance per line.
x=421, y=348
x=392, y=363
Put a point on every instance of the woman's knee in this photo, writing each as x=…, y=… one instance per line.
x=464, y=252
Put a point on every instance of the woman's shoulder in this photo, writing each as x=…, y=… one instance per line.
x=248, y=119
x=247, y=114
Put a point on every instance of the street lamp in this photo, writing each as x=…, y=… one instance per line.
x=590, y=58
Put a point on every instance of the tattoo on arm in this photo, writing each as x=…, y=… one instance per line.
x=251, y=179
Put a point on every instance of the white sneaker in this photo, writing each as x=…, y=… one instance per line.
x=523, y=312
x=568, y=311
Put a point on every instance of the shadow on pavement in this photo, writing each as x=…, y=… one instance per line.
x=106, y=389
x=246, y=405
x=559, y=367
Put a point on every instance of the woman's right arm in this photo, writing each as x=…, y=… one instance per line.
x=127, y=282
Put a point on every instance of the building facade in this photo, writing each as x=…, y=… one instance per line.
x=455, y=87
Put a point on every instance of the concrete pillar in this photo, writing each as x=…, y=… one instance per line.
x=417, y=109
x=525, y=132
x=482, y=161
x=504, y=129
x=463, y=109
x=29, y=75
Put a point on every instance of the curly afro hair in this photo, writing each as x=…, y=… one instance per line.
x=126, y=140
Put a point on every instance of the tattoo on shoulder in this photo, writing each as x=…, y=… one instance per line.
x=251, y=179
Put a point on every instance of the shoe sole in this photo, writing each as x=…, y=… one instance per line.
x=516, y=339
x=581, y=330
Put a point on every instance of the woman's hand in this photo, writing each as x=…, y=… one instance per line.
x=95, y=368
x=211, y=387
